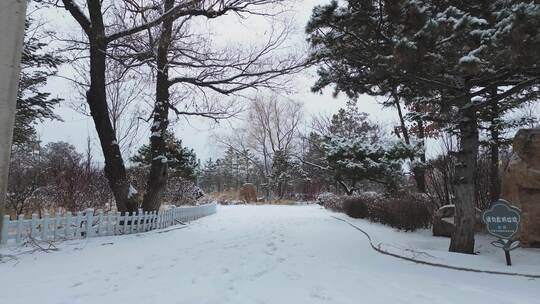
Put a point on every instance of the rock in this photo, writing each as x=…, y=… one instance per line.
x=521, y=184
x=247, y=193
x=443, y=221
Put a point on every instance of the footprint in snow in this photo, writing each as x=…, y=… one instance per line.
x=258, y=274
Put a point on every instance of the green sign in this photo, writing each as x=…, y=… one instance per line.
x=502, y=219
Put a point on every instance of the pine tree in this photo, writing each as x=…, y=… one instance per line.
x=181, y=160
x=33, y=104
x=452, y=54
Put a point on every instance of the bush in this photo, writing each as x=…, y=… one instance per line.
x=329, y=201
x=404, y=211
x=355, y=207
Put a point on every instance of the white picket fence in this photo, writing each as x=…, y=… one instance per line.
x=93, y=224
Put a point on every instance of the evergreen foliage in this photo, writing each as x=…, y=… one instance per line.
x=33, y=104
x=182, y=160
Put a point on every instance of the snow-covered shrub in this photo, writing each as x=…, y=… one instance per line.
x=329, y=200
x=54, y=177
x=368, y=195
x=181, y=191
x=404, y=210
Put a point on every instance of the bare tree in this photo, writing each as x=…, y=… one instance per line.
x=192, y=71
x=98, y=37
x=273, y=125
x=270, y=131
x=127, y=93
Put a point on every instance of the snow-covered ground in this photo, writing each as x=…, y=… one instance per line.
x=421, y=245
x=252, y=254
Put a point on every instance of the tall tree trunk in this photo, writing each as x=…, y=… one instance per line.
x=421, y=169
x=418, y=171
x=96, y=97
x=12, y=16
x=157, y=179
x=495, y=183
x=463, y=237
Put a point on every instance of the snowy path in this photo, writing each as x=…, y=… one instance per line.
x=246, y=254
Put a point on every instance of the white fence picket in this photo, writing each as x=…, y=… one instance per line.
x=5, y=230
x=131, y=222
x=68, y=231
x=20, y=228
x=89, y=223
x=34, y=223
x=78, y=225
x=56, y=226
x=45, y=227
x=110, y=225
x=101, y=224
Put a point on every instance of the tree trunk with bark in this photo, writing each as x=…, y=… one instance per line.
x=463, y=237
x=495, y=183
x=157, y=179
x=419, y=172
x=96, y=98
x=12, y=16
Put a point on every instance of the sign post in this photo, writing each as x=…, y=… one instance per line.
x=502, y=221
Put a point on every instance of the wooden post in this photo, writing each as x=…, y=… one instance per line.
x=12, y=17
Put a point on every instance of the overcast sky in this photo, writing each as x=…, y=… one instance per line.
x=197, y=133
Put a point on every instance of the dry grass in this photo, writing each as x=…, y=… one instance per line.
x=277, y=202
x=224, y=196
x=232, y=196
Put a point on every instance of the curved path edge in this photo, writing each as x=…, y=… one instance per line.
x=381, y=251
